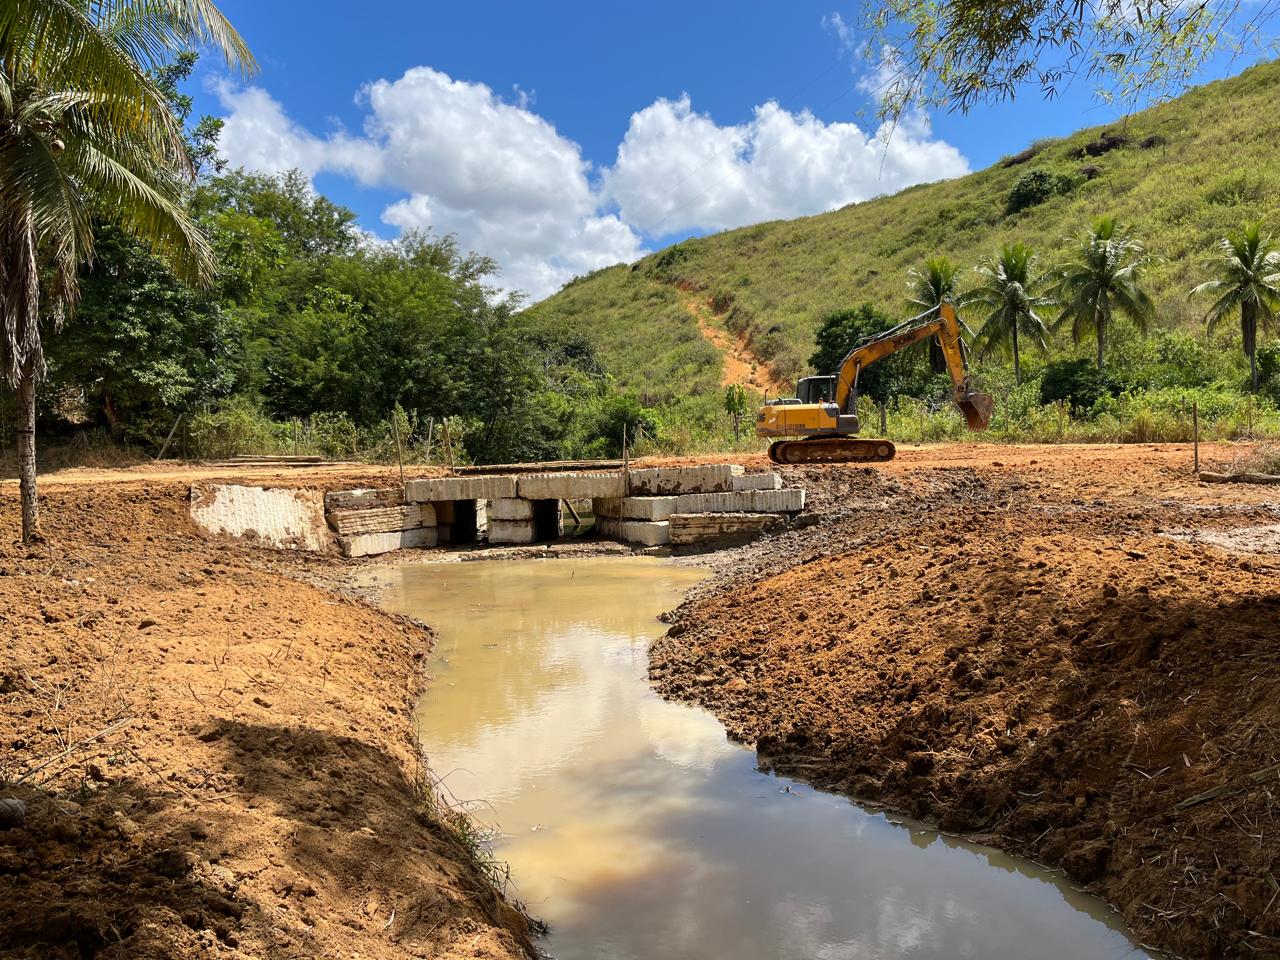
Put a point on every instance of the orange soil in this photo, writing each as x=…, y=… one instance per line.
x=1008, y=641
x=741, y=365
x=217, y=758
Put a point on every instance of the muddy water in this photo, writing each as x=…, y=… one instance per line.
x=637, y=830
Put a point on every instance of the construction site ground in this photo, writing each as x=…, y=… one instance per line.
x=1070, y=651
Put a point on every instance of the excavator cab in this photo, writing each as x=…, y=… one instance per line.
x=816, y=389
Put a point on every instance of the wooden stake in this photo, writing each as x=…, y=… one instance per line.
x=448, y=444
x=169, y=439
x=431, y=436
x=884, y=418
x=1195, y=435
x=395, y=429
x=626, y=467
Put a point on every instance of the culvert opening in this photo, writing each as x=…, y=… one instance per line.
x=547, y=524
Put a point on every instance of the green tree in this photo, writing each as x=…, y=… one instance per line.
x=1009, y=288
x=936, y=284
x=902, y=374
x=959, y=53
x=1249, y=280
x=1103, y=278
x=735, y=404
x=87, y=132
x=141, y=346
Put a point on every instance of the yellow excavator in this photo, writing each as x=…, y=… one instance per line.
x=824, y=412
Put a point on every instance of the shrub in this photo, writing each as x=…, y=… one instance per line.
x=1078, y=382
x=1032, y=189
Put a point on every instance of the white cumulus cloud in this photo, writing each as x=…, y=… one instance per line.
x=512, y=187
x=678, y=170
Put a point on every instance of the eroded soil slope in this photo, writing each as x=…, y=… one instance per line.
x=217, y=759
x=1006, y=641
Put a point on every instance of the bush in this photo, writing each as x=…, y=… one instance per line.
x=1078, y=382
x=1033, y=188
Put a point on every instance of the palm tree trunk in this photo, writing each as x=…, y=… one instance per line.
x=1249, y=333
x=1017, y=362
x=26, y=431
x=1099, y=324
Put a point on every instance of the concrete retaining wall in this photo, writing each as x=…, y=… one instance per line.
x=408, y=516
x=281, y=519
x=567, y=486
x=711, y=529
x=758, y=481
x=371, y=544
x=743, y=501
x=460, y=488
x=649, y=533
x=665, y=481
x=635, y=508
x=510, y=508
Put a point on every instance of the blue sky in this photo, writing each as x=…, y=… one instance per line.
x=502, y=122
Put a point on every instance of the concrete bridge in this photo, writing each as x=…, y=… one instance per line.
x=684, y=506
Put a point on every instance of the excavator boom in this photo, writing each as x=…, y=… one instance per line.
x=827, y=427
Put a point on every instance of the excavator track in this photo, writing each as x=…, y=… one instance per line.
x=831, y=450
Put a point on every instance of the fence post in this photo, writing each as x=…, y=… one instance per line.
x=884, y=420
x=1195, y=436
x=448, y=444
x=395, y=429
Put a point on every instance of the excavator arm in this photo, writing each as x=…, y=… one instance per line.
x=828, y=428
x=976, y=407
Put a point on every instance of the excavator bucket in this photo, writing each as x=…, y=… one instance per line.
x=977, y=409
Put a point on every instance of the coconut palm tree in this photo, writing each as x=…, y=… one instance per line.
x=1009, y=287
x=1248, y=278
x=87, y=135
x=929, y=288
x=1101, y=280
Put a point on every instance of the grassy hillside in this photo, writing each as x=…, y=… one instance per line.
x=1190, y=170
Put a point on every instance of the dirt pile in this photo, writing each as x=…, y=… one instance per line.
x=216, y=757
x=1020, y=651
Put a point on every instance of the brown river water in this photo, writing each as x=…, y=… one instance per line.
x=636, y=830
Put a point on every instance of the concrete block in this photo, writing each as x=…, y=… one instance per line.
x=371, y=544
x=364, y=499
x=568, y=486
x=758, y=481
x=281, y=519
x=665, y=481
x=511, y=531
x=635, y=508
x=712, y=529
x=382, y=519
x=510, y=508
x=743, y=501
x=460, y=488
x=649, y=533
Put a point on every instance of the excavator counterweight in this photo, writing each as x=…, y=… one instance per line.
x=823, y=415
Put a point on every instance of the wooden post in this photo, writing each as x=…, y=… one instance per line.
x=1060, y=424
x=431, y=436
x=395, y=430
x=1195, y=435
x=295, y=436
x=626, y=466
x=169, y=439
x=448, y=444
x=884, y=418
x=1250, y=416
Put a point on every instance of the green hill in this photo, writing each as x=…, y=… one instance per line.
x=1182, y=173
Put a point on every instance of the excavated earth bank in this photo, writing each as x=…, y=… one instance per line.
x=1008, y=642
x=255, y=792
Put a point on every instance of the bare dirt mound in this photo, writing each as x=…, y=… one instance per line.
x=217, y=759
x=985, y=648
x=741, y=364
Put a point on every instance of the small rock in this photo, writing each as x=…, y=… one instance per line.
x=1110, y=590
x=146, y=622
x=12, y=812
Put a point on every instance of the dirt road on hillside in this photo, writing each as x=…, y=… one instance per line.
x=1027, y=644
